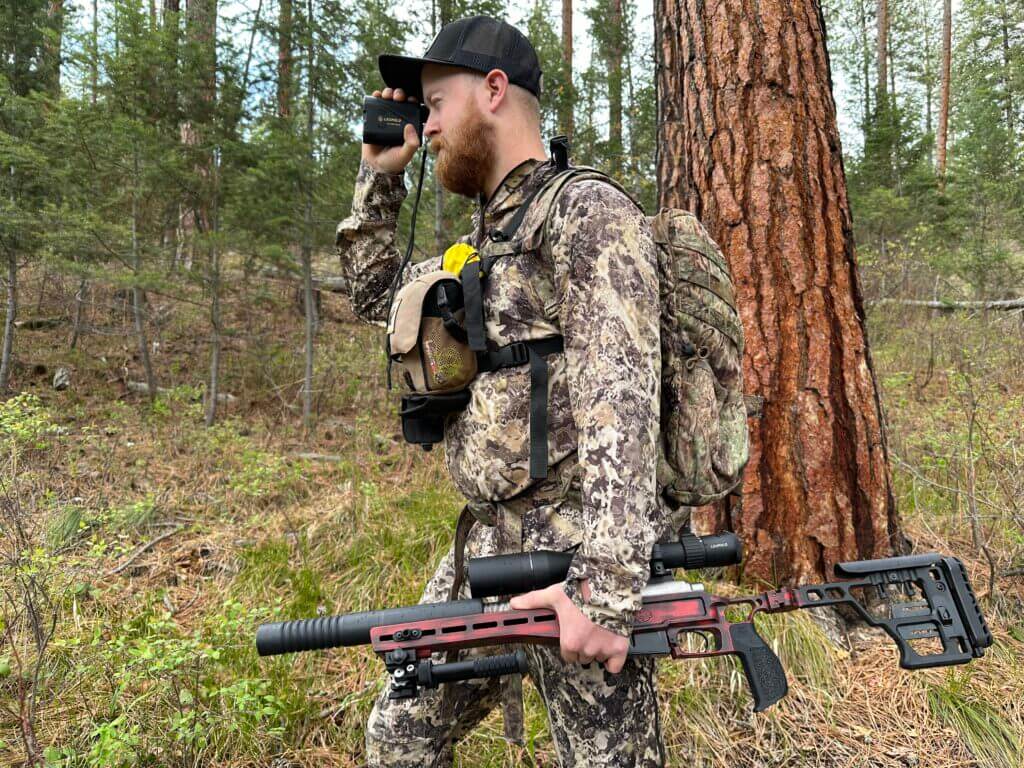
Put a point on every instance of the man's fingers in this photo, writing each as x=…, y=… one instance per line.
x=377, y=94
x=539, y=598
x=387, y=93
x=410, y=135
x=616, y=663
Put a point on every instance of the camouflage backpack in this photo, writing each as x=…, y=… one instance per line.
x=703, y=413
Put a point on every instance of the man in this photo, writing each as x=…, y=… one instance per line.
x=591, y=276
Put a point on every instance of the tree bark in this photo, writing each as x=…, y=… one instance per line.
x=137, y=296
x=1008, y=77
x=615, y=88
x=865, y=63
x=567, y=101
x=942, y=138
x=750, y=145
x=201, y=28
x=307, y=234
x=882, y=51
x=53, y=46
x=12, y=313
x=441, y=14
x=213, y=390
x=284, y=59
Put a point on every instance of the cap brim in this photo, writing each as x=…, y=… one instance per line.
x=402, y=72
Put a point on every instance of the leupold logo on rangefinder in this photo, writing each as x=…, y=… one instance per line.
x=384, y=121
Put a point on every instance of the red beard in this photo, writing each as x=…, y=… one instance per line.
x=464, y=158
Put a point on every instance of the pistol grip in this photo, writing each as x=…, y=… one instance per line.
x=762, y=667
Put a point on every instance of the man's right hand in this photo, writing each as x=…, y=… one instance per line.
x=393, y=159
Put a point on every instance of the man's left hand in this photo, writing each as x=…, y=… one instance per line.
x=581, y=640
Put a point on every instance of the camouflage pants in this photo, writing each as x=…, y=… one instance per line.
x=596, y=719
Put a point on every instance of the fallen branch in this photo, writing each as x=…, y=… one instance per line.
x=949, y=306
x=141, y=388
x=329, y=283
x=333, y=458
x=39, y=323
x=142, y=549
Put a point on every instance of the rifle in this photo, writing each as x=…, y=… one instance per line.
x=917, y=600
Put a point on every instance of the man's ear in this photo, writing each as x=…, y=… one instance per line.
x=496, y=85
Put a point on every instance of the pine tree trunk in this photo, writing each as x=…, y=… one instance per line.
x=53, y=45
x=284, y=58
x=751, y=146
x=76, y=327
x=567, y=100
x=882, y=51
x=865, y=62
x=307, y=235
x=213, y=390
x=1008, y=76
x=441, y=14
x=942, y=138
x=615, y=89
x=137, y=295
x=201, y=26
x=12, y=313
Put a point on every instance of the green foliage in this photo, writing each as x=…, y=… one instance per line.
x=25, y=422
x=988, y=733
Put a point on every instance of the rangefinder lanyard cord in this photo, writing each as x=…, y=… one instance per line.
x=405, y=261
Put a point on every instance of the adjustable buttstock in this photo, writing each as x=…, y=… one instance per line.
x=765, y=676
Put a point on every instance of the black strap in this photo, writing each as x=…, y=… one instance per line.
x=521, y=353
x=473, y=296
x=538, y=417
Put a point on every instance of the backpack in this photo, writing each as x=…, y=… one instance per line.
x=704, y=440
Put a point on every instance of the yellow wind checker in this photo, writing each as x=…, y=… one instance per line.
x=458, y=256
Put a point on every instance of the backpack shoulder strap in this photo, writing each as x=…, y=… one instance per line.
x=552, y=193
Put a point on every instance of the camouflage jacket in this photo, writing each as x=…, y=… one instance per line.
x=592, y=277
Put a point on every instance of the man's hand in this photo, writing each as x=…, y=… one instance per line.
x=581, y=640
x=393, y=159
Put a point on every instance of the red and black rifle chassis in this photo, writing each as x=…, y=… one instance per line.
x=672, y=612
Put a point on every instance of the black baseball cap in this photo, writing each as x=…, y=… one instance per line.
x=479, y=43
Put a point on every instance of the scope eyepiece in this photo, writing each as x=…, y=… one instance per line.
x=522, y=572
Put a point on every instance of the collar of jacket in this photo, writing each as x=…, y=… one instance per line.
x=513, y=189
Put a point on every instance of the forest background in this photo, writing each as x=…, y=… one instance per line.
x=195, y=432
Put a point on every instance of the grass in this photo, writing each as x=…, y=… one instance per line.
x=155, y=664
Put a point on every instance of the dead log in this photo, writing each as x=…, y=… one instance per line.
x=39, y=323
x=141, y=388
x=950, y=306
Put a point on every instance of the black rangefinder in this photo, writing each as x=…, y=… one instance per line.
x=384, y=120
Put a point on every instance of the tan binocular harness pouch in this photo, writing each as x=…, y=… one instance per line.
x=428, y=346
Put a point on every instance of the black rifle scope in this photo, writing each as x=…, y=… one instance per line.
x=527, y=571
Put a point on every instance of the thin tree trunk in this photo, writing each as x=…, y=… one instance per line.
x=751, y=146
x=634, y=160
x=94, y=65
x=882, y=51
x=568, y=100
x=928, y=71
x=12, y=312
x=213, y=390
x=76, y=328
x=137, y=295
x=947, y=54
x=53, y=45
x=615, y=89
x=284, y=58
x=440, y=15
x=307, y=235
x=1007, y=72
x=865, y=62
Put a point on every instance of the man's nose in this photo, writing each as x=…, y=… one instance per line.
x=432, y=127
